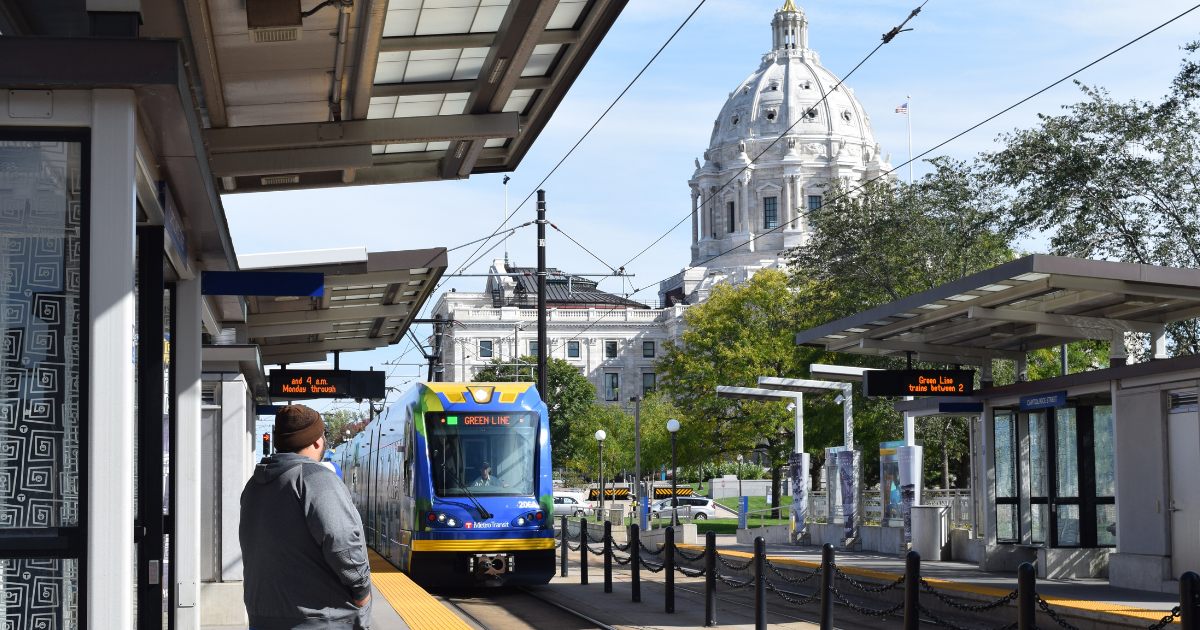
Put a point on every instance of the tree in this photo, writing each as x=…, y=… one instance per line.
x=342, y=424
x=570, y=395
x=1113, y=180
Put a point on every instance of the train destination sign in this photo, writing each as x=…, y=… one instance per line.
x=919, y=382
x=307, y=384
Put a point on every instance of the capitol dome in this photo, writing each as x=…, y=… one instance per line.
x=820, y=132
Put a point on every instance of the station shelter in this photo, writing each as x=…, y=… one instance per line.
x=1091, y=474
x=130, y=374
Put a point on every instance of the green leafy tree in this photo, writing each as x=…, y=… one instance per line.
x=343, y=424
x=570, y=396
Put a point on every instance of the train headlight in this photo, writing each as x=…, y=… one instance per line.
x=452, y=523
x=520, y=520
x=441, y=518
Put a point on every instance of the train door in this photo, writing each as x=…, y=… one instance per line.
x=1183, y=431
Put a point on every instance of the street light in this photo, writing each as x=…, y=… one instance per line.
x=600, y=435
x=739, y=458
x=673, y=427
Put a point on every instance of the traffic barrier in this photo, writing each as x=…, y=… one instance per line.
x=1189, y=606
x=562, y=570
x=760, y=584
x=635, y=555
x=583, y=552
x=669, y=565
x=912, y=595
x=826, y=586
x=710, y=579
x=608, y=557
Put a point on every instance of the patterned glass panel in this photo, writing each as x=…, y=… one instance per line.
x=40, y=281
x=40, y=594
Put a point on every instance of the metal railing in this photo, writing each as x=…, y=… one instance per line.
x=958, y=500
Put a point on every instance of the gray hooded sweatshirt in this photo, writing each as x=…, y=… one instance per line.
x=303, y=549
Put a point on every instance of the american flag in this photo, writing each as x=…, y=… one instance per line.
x=903, y=109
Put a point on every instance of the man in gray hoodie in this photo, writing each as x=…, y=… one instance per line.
x=303, y=548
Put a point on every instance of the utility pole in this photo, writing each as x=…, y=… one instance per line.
x=439, y=372
x=541, y=278
x=637, y=452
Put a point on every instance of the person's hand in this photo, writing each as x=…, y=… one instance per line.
x=363, y=602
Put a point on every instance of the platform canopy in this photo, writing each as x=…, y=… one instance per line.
x=370, y=300
x=1034, y=302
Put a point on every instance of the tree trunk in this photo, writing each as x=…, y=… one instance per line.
x=946, y=455
x=776, y=483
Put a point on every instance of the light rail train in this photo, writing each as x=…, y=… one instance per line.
x=454, y=487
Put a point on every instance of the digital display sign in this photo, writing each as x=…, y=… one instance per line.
x=306, y=384
x=918, y=382
x=488, y=420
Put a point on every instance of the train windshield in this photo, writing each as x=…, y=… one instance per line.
x=486, y=453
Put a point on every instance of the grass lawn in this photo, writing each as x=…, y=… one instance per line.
x=756, y=503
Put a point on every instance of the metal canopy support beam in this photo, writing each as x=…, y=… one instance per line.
x=358, y=313
x=449, y=87
x=838, y=372
x=802, y=385
x=289, y=330
x=966, y=351
x=469, y=40
x=1082, y=283
x=329, y=345
x=357, y=132
x=302, y=160
x=1101, y=325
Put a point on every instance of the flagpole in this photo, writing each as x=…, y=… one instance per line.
x=909, y=115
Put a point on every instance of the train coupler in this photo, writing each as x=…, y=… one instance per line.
x=490, y=566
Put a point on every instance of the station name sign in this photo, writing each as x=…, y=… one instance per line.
x=919, y=382
x=307, y=384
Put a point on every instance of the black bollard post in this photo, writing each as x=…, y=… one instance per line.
x=827, y=587
x=912, y=591
x=1026, y=600
x=669, y=568
x=635, y=562
x=1189, y=587
x=760, y=583
x=583, y=550
x=562, y=562
x=710, y=579
x=607, y=556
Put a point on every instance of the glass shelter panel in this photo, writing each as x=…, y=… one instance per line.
x=1038, y=501
x=1008, y=527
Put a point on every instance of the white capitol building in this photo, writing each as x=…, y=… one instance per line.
x=808, y=142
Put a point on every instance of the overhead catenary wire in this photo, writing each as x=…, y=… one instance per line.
x=894, y=169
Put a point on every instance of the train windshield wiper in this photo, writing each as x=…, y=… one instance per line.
x=483, y=513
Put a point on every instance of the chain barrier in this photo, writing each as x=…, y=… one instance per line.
x=1053, y=615
x=595, y=553
x=570, y=548
x=792, y=580
x=788, y=598
x=1011, y=597
x=863, y=610
x=730, y=582
x=649, y=550
x=734, y=566
x=951, y=626
x=1162, y=623
x=863, y=587
x=688, y=572
x=618, y=560
x=651, y=567
x=679, y=552
x=622, y=548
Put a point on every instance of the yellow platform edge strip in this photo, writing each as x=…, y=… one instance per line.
x=418, y=608
x=1081, y=604
x=490, y=544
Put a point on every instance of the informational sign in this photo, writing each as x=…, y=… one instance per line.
x=849, y=464
x=889, y=480
x=743, y=507
x=1040, y=401
x=798, y=465
x=308, y=384
x=919, y=382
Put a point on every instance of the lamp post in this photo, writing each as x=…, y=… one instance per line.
x=673, y=427
x=600, y=435
x=739, y=458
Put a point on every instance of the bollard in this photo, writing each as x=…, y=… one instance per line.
x=710, y=579
x=1189, y=586
x=827, y=587
x=1026, y=600
x=760, y=583
x=583, y=550
x=669, y=568
x=607, y=556
x=912, y=591
x=635, y=561
x=562, y=570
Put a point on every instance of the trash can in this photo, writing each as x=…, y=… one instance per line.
x=930, y=531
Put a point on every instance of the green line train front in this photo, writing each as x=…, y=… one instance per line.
x=453, y=484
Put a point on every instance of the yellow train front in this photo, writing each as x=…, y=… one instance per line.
x=454, y=487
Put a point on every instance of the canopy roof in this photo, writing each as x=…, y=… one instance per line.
x=1034, y=302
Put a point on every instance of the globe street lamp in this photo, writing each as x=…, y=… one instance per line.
x=600, y=435
x=739, y=458
x=673, y=427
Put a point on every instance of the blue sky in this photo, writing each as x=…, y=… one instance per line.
x=627, y=183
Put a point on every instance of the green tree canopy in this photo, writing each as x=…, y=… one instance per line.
x=570, y=396
x=343, y=424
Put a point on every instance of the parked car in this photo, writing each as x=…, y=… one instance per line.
x=571, y=504
x=699, y=508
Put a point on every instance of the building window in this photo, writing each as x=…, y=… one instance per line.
x=648, y=382
x=814, y=202
x=610, y=349
x=771, y=212
x=648, y=349
x=612, y=387
x=729, y=205
x=533, y=348
x=573, y=349
x=485, y=349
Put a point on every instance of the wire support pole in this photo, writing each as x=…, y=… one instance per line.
x=912, y=591
x=908, y=114
x=827, y=575
x=541, y=280
x=760, y=583
x=710, y=579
